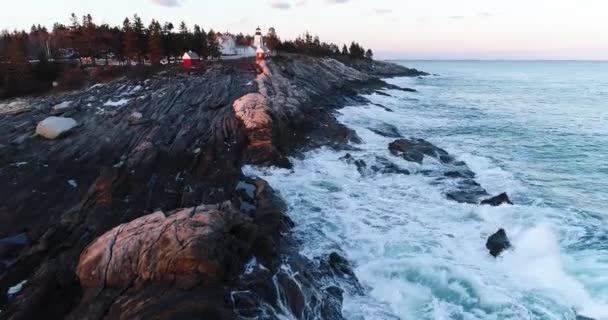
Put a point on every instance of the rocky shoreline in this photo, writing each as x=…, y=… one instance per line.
x=141, y=210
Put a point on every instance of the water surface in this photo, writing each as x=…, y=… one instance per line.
x=537, y=130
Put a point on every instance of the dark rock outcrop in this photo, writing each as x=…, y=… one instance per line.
x=415, y=149
x=386, y=166
x=381, y=68
x=386, y=130
x=197, y=128
x=497, y=200
x=381, y=165
x=498, y=242
x=462, y=188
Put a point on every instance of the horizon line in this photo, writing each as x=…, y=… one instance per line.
x=496, y=60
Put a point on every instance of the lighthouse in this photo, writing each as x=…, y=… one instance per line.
x=258, y=39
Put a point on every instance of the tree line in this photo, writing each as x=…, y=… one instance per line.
x=83, y=42
x=312, y=45
x=133, y=41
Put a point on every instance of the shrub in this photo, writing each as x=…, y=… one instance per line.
x=72, y=79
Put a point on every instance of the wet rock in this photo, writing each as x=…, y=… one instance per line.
x=394, y=87
x=460, y=174
x=381, y=93
x=415, y=149
x=359, y=163
x=498, y=200
x=124, y=172
x=466, y=195
x=386, y=130
x=498, y=242
x=387, y=109
x=293, y=295
x=339, y=264
x=245, y=303
x=55, y=127
x=386, y=166
x=382, y=165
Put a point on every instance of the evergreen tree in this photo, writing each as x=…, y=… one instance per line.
x=155, y=45
x=356, y=51
x=272, y=41
x=141, y=42
x=90, y=44
x=168, y=41
x=214, y=47
x=344, y=50
x=199, y=40
x=185, y=40
x=75, y=36
x=369, y=54
x=128, y=41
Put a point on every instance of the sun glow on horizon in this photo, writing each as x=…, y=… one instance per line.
x=432, y=29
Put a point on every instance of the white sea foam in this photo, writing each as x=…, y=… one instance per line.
x=422, y=256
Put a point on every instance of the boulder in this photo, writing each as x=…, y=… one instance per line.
x=55, y=127
x=497, y=200
x=196, y=245
x=498, y=242
x=414, y=150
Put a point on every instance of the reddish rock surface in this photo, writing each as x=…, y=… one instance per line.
x=193, y=243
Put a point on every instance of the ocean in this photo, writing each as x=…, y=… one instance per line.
x=536, y=130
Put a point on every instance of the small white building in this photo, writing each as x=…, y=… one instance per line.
x=231, y=50
x=190, y=59
x=258, y=39
x=227, y=44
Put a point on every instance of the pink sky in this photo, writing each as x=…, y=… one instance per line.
x=422, y=29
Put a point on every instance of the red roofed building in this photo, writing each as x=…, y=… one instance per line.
x=190, y=59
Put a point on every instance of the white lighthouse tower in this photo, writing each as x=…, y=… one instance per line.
x=258, y=40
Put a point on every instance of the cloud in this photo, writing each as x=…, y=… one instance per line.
x=280, y=4
x=383, y=11
x=486, y=15
x=481, y=15
x=336, y=1
x=168, y=3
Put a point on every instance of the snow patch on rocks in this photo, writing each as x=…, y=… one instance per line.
x=119, y=103
x=16, y=288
